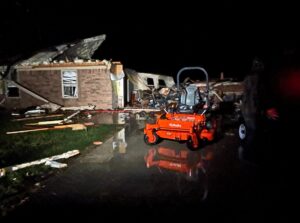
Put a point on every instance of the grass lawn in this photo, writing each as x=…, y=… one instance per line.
x=26, y=147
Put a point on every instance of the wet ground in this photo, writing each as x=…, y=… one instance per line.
x=126, y=179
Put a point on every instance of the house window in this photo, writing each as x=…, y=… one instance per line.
x=150, y=81
x=161, y=83
x=13, y=90
x=69, y=84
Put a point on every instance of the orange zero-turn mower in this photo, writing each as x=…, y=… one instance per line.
x=190, y=127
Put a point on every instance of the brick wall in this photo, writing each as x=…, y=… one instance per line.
x=94, y=87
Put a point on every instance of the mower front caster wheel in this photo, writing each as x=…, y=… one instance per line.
x=151, y=142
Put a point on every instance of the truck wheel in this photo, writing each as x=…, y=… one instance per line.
x=152, y=142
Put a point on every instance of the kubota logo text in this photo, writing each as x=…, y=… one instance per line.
x=175, y=165
x=175, y=125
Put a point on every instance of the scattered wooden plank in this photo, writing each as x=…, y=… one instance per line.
x=40, y=161
x=137, y=110
x=50, y=104
x=54, y=122
x=89, y=123
x=73, y=126
x=30, y=130
x=71, y=116
x=88, y=107
x=37, y=117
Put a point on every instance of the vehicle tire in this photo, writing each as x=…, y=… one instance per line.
x=155, y=141
x=250, y=145
x=190, y=145
x=242, y=131
x=142, y=114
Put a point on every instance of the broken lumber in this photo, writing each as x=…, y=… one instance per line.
x=40, y=161
x=73, y=126
x=135, y=110
x=37, y=117
x=54, y=122
x=51, y=105
x=30, y=130
x=88, y=107
x=71, y=116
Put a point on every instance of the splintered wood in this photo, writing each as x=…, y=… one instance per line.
x=48, y=160
x=73, y=126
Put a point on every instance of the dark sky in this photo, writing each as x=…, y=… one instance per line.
x=154, y=36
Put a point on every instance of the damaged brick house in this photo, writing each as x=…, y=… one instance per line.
x=67, y=77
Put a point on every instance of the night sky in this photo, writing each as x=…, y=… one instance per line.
x=156, y=37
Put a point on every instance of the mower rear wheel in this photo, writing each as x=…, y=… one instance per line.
x=153, y=142
x=190, y=145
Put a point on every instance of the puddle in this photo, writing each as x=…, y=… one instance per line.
x=177, y=160
x=109, y=118
x=188, y=166
x=105, y=152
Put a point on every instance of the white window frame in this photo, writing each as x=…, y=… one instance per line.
x=63, y=84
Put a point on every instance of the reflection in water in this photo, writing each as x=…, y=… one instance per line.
x=109, y=118
x=182, y=161
x=122, y=117
x=119, y=141
x=190, y=163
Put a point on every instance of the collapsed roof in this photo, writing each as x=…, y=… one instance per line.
x=82, y=49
